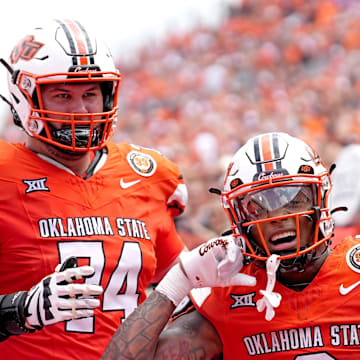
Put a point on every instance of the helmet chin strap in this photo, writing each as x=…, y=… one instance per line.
x=270, y=299
x=297, y=264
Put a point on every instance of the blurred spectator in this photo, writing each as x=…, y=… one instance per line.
x=346, y=191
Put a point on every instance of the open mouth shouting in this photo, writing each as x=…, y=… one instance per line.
x=282, y=241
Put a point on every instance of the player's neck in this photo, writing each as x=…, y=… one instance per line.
x=299, y=278
x=78, y=163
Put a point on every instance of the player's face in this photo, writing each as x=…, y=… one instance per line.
x=72, y=98
x=280, y=235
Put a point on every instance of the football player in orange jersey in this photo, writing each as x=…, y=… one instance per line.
x=68, y=190
x=305, y=304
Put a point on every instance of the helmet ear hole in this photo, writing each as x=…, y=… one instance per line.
x=35, y=126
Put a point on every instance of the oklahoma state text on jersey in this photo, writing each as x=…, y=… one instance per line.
x=322, y=322
x=119, y=221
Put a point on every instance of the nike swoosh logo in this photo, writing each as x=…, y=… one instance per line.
x=345, y=290
x=125, y=185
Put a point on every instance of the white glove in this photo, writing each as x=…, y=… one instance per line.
x=215, y=263
x=55, y=298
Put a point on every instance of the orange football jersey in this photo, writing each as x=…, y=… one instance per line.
x=321, y=322
x=120, y=221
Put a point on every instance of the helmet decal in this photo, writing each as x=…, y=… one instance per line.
x=306, y=169
x=270, y=174
x=267, y=157
x=25, y=50
x=80, y=46
x=235, y=183
x=267, y=152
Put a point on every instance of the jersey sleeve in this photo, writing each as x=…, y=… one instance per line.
x=172, y=185
x=168, y=246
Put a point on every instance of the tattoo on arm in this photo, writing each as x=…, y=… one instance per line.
x=189, y=337
x=137, y=337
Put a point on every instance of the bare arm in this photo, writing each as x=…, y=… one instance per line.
x=190, y=336
x=137, y=337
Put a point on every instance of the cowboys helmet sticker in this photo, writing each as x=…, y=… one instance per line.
x=142, y=164
x=353, y=258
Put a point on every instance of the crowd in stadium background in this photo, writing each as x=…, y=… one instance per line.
x=290, y=66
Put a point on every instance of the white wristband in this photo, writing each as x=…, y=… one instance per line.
x=175, y=285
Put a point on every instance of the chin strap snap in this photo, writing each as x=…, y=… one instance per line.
x=270, y=299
